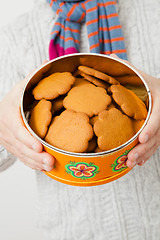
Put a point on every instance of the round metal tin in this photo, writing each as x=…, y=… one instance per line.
x=84, y=169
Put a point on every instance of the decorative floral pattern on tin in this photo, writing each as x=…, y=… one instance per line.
x=120, y=163
x=82, y=170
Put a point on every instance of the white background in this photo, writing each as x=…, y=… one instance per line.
x=18, y=183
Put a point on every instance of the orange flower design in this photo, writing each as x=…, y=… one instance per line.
x=120, y=163
x=82, y=170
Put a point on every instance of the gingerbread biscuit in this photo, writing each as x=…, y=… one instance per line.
x=92, y=120
x=129, y=79
x=41, y=117
x=95, y=81
x=35, y=102
x=111, y=106
x=129, y=102
x=88, y=99
x=77, y=73
x=97, y=150
x=110, y=66
x=54, y=85
x=92, y=144
x=70, y=131
x=57, y=104
x=113, y=128
x=98, y=74
x=137, y=124
x=139, y=90
x=80, y=81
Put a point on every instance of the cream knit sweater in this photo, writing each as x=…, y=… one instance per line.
x=128, y=208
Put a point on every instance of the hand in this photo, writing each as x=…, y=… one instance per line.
x=16, y=138
x=149, y=138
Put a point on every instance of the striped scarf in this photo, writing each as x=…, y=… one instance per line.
x=103, y=27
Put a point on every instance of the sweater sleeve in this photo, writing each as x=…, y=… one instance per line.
x=6, y=159
x=23, y=47
x=9, y=75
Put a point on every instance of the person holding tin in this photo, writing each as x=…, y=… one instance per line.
x=124, y=209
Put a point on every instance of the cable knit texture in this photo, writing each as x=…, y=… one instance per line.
x=129, y=208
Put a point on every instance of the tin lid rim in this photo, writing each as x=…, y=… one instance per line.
x=87, y=155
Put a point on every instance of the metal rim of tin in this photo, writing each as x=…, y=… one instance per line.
x=87, y=155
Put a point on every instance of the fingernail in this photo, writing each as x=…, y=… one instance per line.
x=46, y=161
x=47, y=168
x=142, y=162
x=131, y=164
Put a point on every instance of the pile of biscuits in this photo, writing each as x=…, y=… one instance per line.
x=87, y=111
